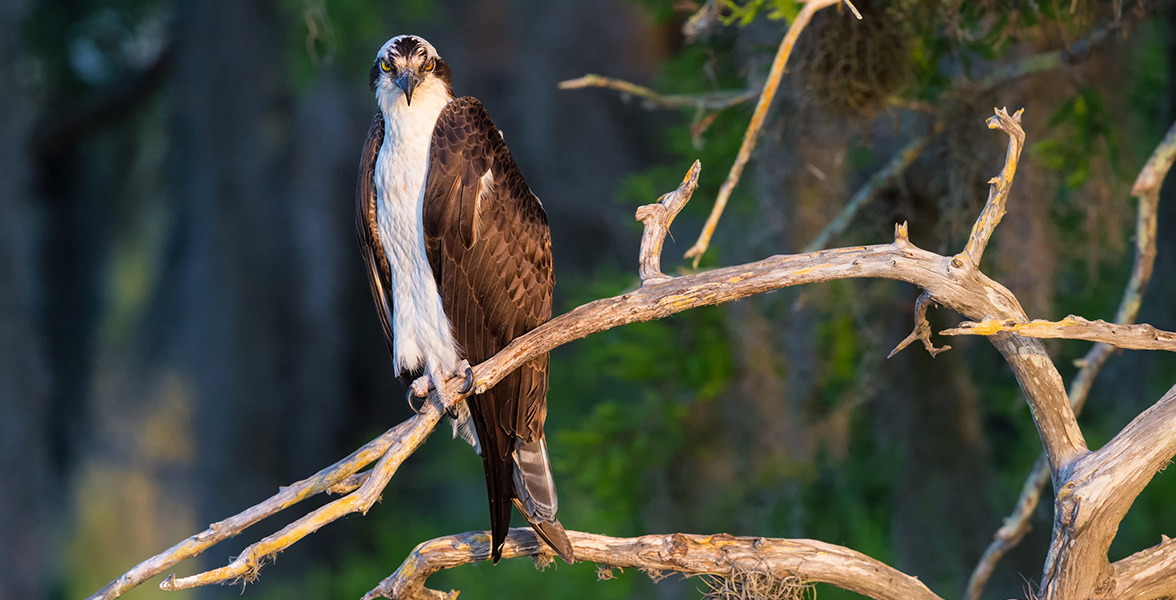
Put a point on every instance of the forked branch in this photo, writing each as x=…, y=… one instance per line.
x=1147, y=190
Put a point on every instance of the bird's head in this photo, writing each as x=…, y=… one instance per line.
x=408, y=65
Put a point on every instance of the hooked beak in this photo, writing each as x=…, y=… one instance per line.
x=407, y=82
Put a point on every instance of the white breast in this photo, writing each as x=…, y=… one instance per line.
x=422, y=336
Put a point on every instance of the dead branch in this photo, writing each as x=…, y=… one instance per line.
x=711, y=101
x=1132, y=337
x=722, y=555
x=1147, y=190
x=1098, y=491
x=249, y=562
x=922, y=329
x=222, y=530
x=998, y=191
x=656, y=218
x=1148, y=573
x=775, y=73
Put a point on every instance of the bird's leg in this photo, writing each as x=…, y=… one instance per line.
x=418, y=392
x=467, y=384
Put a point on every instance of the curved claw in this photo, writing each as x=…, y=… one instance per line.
x=468, y=385
x=417, y=407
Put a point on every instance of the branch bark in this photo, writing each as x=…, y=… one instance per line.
x=657, y=218
x=1148, y=573
x=1096, y=496
x=805, y=561
x=998, y=191
x=1133, y=337
x=222, y=530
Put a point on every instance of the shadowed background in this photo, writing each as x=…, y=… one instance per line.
x=185, y=325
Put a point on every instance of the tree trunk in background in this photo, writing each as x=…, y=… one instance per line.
x=231, y=284
x=28, y=483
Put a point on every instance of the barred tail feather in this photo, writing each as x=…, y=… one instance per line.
x=535, y=496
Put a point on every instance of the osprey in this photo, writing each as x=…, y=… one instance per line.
x=458, y=256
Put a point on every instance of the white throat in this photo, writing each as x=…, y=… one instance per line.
x=422, y=335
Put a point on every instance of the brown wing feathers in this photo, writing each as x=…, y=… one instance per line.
x=378, y=272
x=489, y=244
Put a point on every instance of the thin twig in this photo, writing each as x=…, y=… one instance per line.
x=1147, y=190
x=775, y=73
x=922, y=330
x=720, y=555
x=1132, y=337
x=711, y=101
x=998, y=191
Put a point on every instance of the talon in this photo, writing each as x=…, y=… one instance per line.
x=468, y=385
x=417, y=407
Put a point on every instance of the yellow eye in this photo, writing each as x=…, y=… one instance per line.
x=384, y=66
x=429, y=65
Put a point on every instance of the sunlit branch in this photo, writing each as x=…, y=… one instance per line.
x=998, y=192
x=1132, y=337
x=712, y=101
x=805, y=561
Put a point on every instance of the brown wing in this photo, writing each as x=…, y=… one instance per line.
x=490, y=249
x=366, y=228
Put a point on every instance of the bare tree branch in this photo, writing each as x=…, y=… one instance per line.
x=775, y=73
x=922, y=329
x=1096, y=496
x=711, y=101
x=1133, y=337
x=807, y=561
x=998, y=191
x=1148, y=573
x=1147, y=190
x=247, y=564
x=656, y=218
x=222, y=530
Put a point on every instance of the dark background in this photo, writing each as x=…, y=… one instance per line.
x=184, y=323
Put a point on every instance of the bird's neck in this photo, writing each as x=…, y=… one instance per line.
x=410, y=127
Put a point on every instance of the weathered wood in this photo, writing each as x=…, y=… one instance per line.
x=805, y=561
x=1133, y=337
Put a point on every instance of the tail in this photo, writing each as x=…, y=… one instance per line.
x=534, y=496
